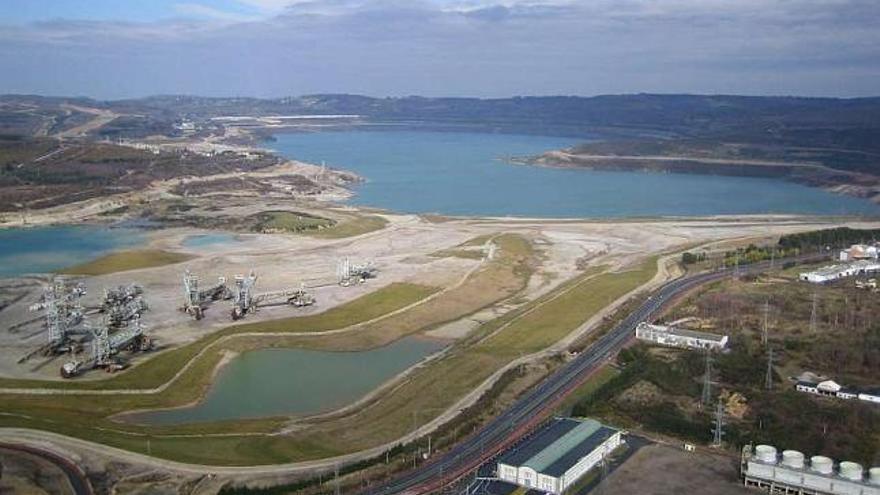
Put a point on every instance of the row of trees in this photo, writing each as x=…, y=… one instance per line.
x=791, y=245
x=837, y=237
x=743, y=256
x=754, y=254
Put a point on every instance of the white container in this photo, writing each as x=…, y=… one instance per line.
x=851, y=471
x=766, y=453
x=821, y=464
x=793, y=459
x=874, y=475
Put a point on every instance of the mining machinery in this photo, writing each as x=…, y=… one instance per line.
x=63, y=314
x=104, y=346
x=196, y=300
x=245, y=300
x=348, y=274
x=123, y=304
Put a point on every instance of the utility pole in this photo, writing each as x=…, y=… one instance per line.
x=718, y=430
x=764, y=338
x=337, y=489
x=706, y=398
x=768, y=380
x=813, y=312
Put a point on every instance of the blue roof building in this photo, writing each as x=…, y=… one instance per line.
x=557, y=455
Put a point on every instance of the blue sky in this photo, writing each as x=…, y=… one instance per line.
x=129, y=48
x=24, y=11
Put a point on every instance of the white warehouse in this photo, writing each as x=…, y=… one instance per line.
x=763, y=468
x=830, y=388
x=558, y=454
x=835, y=272
x=679, y=337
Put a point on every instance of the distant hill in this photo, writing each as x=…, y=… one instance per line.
x=840, y=134
x=779, y=120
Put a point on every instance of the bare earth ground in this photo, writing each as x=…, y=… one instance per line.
x=664, y=470
x=25, y=474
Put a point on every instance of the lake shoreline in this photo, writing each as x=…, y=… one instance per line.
x=458, y=174
x=220, y=384
x=862, y=186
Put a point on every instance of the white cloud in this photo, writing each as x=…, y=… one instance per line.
x=206, y=12
x=269, y=5
x=477, y=47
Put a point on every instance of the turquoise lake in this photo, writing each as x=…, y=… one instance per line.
x=207, y=240
x=273, y=382
x=45, y=249
x=463, y=174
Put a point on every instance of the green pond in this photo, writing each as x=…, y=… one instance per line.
x=285, y=382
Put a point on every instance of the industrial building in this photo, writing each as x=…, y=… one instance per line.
x=557, y=455
x=679, y=337
x=859, y=252
x=835, y=272
x=790, y=474
x=830, y=388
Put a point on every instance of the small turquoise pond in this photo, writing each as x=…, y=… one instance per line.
x=284, y=382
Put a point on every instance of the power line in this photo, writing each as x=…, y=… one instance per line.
x=718, y=430
x=706, y=397
x=766, y=314
x=813, y=312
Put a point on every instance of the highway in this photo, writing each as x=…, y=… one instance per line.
x=530, y=409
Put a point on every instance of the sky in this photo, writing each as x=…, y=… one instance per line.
x=110, y=49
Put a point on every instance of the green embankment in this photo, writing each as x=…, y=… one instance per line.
x=358, y=225
x=127, y=260
x=602, y=376
x=290, y=221
x=470, y=249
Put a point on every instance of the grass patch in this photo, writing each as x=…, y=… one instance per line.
x=115, y=211
x=470, y=249
x=290, y=221
x=602, y=376
x=564, y=310
x=127, y=260
x=353, y=227
x=468, y=254
x=435, y=218
x=478, y=241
